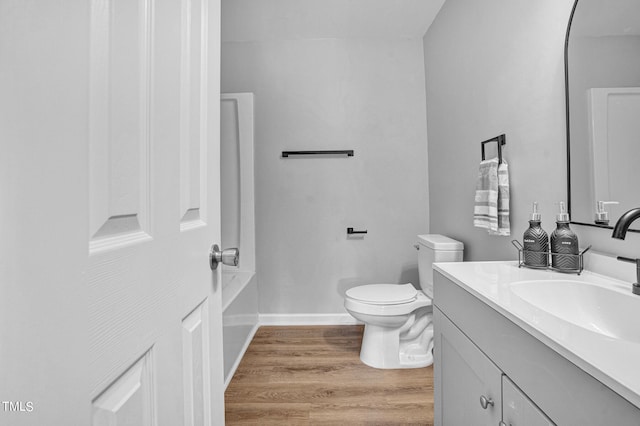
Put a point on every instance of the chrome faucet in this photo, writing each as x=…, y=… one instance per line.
x=619, y=232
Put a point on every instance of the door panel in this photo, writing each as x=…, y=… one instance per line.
x=196, y=356
x=193, y=143
x=144, y=294
x=111, y=200
x=613, y=122
x=119, y=122
x=130, y=399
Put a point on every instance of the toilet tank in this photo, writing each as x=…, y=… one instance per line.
x=435, y=248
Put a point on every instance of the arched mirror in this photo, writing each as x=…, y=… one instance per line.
x=602, y=65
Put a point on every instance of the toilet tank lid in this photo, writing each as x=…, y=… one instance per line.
x=440, y=242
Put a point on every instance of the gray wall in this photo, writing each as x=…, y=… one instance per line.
x=492, y=67
x=495, y=67
x=361, y=94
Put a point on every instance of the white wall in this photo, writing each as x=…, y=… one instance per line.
x=493, y=67
x=361, y=94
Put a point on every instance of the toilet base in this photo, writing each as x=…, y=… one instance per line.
x=416, y=357
x=408, y=346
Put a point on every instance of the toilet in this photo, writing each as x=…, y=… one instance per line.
x=398, y=330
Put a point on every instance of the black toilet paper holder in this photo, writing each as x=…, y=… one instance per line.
x=350, y=231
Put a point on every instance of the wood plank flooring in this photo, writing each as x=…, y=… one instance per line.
x=313, y=375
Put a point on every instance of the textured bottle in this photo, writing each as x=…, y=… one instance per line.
x=535, y=242
x=564, y=244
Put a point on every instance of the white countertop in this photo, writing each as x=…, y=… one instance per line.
x=614, y=362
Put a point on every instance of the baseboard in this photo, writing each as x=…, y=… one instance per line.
x=307, y=319
x=252, y=333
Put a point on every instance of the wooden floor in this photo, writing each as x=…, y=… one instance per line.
x=313, y=376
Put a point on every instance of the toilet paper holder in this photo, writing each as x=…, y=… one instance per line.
x=350, y=231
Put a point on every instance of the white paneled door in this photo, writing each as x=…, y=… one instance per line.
x=109, y=203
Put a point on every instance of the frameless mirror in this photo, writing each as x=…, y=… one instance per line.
x=602, y=65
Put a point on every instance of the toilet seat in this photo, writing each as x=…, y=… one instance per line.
x=383, y=294
x=378, y=307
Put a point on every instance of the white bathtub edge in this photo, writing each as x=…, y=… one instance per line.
x=233, y=289
x=232, y=372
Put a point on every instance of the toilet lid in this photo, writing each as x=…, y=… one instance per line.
x=383, y=294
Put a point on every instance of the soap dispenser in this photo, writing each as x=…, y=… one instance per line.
x=564, y=244
x=602, y=216
x=535, y=242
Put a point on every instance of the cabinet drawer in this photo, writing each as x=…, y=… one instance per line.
x=470, y=376
x=518, y=409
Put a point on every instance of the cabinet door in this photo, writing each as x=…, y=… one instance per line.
x=518, y=410
x=467, y=384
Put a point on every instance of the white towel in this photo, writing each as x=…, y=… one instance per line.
x=491, y=209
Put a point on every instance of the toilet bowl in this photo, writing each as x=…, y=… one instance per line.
x=398, y=329
x=395, y=319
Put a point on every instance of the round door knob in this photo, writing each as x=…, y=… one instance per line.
x=229, y=257
x=485, y=402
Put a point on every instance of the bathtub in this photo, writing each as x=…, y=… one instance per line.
x=239, y=284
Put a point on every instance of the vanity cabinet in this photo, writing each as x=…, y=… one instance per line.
x=469, y=374
x=479, y=352
x=518, y=409
x=471, y=389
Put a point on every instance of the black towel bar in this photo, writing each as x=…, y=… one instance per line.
x=347, y=152
x=501, y=140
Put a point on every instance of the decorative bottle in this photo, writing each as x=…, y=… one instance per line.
x=564, y=244
x=535, y=242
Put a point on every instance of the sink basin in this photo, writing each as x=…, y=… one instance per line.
x=589, y=306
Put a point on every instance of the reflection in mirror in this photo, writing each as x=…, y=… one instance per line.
x=603, y=109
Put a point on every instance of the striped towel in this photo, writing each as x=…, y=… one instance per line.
x=491, y=209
